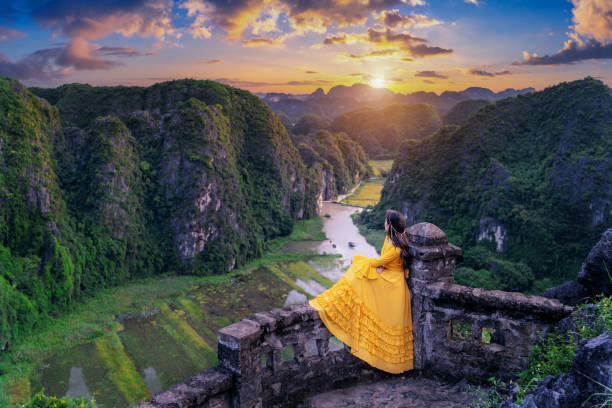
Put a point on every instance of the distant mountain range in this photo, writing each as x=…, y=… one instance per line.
x=341, y=99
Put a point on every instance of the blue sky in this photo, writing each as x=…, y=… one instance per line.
x=298, y=46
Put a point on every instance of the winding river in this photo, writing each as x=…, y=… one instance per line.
x=339, y=229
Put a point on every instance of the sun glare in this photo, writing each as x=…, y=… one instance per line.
x=378, y=82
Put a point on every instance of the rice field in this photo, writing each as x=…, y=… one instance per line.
x=367, y=194
x=369, y=191
x=129, y=342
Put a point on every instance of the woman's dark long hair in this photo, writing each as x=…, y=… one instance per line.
x=397, y=226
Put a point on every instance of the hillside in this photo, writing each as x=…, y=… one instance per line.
x=106, y=184
x=381, y=132
x=463, y=110
x=335, y=159
x=524, y=186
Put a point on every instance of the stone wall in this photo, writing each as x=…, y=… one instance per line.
x=279, y=357
x=464, y=332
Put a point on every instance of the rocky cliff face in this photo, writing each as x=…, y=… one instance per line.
x=101, y=184
x=336, y=162
x=530, y=173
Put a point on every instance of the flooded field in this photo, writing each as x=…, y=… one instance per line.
x=164, y=346
x=146, y=349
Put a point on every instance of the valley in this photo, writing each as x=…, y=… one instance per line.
x=129, y=342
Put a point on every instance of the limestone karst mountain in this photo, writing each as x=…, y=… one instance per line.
x=99, y=185
x=340, y=99
x=524, y=185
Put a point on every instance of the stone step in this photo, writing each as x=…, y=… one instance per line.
x=413, y=392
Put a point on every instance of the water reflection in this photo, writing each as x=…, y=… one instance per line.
x=76, y=384
x=339, y=230
x=152, y=380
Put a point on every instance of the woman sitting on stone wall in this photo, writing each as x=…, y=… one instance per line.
x=369, y=307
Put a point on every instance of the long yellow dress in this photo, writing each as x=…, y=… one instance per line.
x=370, y=312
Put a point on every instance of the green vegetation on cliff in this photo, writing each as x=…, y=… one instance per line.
x=107, y=184
x=464, y=110
x=523, y=185
x=336, y=163
x=381, y=132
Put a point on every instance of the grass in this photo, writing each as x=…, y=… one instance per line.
x=121, y=369
x=368, y=193
x=199, y=306
x=376, y=237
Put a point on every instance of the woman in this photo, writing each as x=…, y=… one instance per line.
x=369, y=307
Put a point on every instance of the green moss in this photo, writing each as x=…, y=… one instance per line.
x=121, y=370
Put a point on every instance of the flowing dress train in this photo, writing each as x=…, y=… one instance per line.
x=370, y=312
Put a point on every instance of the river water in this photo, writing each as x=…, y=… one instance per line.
x=339, y=229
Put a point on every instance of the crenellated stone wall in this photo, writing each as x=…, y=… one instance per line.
x=465, y=332
x=280, y=357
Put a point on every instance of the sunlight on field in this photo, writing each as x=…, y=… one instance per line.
x=367, y=194
x=369, y=191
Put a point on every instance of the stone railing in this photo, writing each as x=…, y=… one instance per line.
x=280, y=357
x=464, y=332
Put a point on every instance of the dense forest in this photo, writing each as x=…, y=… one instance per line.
x=99, y=185
x=523, y=185
x=378, y=132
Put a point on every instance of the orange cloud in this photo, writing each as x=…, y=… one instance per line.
x=260, y=41
x=485, y=73
x=593, y=18
x=214, y=61
x=410, y=45
x=393, y=18
x=376, y=53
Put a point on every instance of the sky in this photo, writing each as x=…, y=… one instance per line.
x=297, y=46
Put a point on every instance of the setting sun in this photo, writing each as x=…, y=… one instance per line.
x=378, y=82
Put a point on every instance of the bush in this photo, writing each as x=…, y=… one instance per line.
x=41, y=400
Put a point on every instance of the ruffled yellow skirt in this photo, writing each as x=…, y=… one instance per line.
x=371, y=314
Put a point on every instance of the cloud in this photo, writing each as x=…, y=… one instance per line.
x=240, y=18
x=83, y=22
x=422, y=50
x=483, y=72
x=311, y=72
x=239, y=83
x=376, y=53
x=117, y=51
x=200, y=28
x=261, y=41
x=388, y=39
x=316, y=82
x=428, y=81
x=93, y=20
x=474, y=2
x=430, y=74
x=393, y=18
x=571, y=53
x=54, y=62
x=213, y=61
x=593, y=18
x=8, y=34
